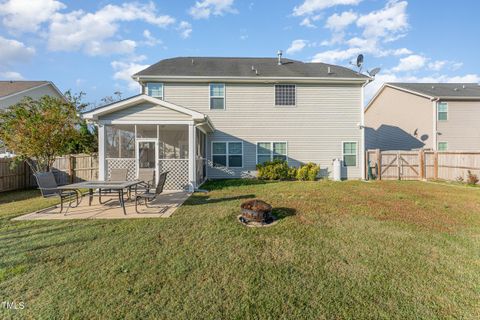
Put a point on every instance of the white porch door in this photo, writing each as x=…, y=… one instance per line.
x=146, y=155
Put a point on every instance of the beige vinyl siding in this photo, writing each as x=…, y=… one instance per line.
x=37, y=93
x=145, y=112
x=462, y=129
x=394, y=116
x=324, y=116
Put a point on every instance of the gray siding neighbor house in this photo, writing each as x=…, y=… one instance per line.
x=215, y=118
x=435, y=116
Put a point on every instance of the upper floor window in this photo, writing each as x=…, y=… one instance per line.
x=269, y=151
x=285, y=95
x=349, y=151
x=155, y=89
x=442, y=146
x=217, y=96
x=442, y=111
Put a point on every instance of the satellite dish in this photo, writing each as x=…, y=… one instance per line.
x=360, y=61
x=373, y=72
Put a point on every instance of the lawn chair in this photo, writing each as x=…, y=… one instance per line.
x=115, y=175
x=148, y=178
x=150, y=196
x=49, y=188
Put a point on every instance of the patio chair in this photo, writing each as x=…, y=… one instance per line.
x=49, y=188
x=115, y=175
x=148, y=178
x=150, y=196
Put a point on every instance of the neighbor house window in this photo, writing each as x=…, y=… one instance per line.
x=155, y=89
x=442, y=111
x=350, y=154
x=269, y=151
x=442, y=146
x=217, y=96
x=227, y=154
x=285, y=95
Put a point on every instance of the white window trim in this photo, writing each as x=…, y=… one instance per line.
x=163, y=90
x=350, y=154
x=438, y=110
x=210, y=96
x=275, y=95
x=226, y=154
x=271, y=149
x=438, y=145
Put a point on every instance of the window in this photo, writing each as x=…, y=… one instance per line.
x=217, y=96
x=442, y=146
x=285, y=95
x=442, y=110
x=349, y=154
x=155, y=89
x=269, y=151
x=227, y=154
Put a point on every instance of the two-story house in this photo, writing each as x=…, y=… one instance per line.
x=217, y=118
x=435, y=116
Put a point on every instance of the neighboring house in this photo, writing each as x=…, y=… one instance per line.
x=436, y=116
x=216, y=118
x=12, y=92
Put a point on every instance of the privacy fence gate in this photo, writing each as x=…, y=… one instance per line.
x=421, y=165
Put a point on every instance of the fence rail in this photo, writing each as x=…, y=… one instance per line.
x=421, y=165
x=67, y=169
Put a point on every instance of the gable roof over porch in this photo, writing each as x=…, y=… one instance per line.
x=146, y=109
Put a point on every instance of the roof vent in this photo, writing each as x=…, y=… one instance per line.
x=192, y=61
x=464, y=86
x=329, y=70
x=433, y=87
x=455, y=89
x=279, y=57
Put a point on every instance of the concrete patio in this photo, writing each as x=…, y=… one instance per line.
x=162, y=207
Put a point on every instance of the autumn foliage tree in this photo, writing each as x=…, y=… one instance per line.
x=37, y=131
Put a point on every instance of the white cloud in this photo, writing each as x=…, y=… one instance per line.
x=94, y=33
x=10, y=75
x=410, y=63
x=203, y=9
x=185, y=29
x=312, y=6
x=385, y=23
x=308, y=21
x=437, y=65
x=150, y=40
x=334, y=56
x=296, y=46
x=338, y=22
x=13, y=51
x=124, y=71
x=27, y=15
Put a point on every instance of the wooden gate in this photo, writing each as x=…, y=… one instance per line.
x=397, y=165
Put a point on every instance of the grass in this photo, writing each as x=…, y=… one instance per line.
x=345, y=250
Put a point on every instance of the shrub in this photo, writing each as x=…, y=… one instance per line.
x=275, y=170
x=472, y=179
x=308, y=172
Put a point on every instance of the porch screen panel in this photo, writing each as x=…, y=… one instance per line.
x=120, y=141
x=173, y=142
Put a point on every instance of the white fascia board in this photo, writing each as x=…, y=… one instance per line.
x=94, y=114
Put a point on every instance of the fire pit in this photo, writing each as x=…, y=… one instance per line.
x=257, y=212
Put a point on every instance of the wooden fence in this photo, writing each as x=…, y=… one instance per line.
x=67, y=169
x=420, y=165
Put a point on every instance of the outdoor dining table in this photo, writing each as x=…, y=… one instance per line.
x=118, y=186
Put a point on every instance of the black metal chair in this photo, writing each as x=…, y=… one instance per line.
x=148, y=178
x=49, y=188
x=115, y=175
x=150, y=196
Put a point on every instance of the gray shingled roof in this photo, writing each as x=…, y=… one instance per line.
x=443, y=90
x=242, y=67
x=10, y=87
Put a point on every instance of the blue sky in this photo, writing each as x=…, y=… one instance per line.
x=94, y=46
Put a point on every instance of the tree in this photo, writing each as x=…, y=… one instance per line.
x=37, y=131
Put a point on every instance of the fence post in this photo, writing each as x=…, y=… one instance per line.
x=435, y=165
x=399, y=172
x=379, y=163
x=26, y=174
x=71, y=172
x=421, y=164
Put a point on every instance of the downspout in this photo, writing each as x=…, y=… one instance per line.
x=362, y=127
x=435, y=122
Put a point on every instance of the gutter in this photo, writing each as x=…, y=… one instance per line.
x=435, y=122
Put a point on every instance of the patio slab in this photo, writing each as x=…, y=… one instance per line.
x=162, y=207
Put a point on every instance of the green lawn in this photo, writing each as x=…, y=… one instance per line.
x=340, y=250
